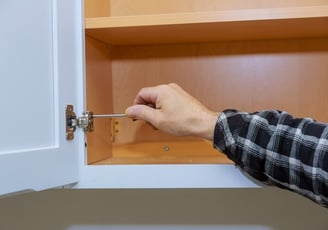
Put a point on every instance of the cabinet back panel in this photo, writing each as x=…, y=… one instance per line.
x=105, y=8
x=96, y=8
x=132, y=7
x=289, y=75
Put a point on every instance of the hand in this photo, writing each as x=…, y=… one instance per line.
x=170, y=109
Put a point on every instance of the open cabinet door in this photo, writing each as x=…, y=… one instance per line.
x=40, y=72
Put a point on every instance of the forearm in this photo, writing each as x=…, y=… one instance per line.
x=277, y=148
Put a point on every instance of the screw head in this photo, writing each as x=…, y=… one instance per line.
x=69, y=136
x=166, y=148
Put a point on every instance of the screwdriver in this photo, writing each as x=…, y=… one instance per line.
x=113, y=115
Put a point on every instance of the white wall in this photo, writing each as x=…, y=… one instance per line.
x=208, y=209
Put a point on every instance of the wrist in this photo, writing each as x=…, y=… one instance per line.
x=207, y=125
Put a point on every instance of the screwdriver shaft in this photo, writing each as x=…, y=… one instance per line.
x=114, y=115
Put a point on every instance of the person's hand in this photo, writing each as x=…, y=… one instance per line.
x=170, y=109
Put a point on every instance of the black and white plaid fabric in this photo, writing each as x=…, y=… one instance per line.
x=277, y=148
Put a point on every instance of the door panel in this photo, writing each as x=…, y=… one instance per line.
x=38, y=64
x=28, y=70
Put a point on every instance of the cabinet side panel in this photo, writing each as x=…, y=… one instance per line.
x=99, y=98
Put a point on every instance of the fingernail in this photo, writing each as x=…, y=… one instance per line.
x=131, y=112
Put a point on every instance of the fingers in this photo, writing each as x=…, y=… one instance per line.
x=175, y=86
x=147, y=95
x=141, y=112
x=149, y=102
x=171, y=109
x=146, y=105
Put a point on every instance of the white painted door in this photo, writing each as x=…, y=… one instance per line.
x=40, y=72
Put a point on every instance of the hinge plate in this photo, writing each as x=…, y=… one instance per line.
x=72, y=122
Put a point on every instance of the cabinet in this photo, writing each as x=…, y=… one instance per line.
x=249, y=55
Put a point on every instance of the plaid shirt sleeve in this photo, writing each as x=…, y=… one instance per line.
x=277, y=148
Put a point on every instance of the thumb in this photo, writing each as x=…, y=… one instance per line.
x=141, y=112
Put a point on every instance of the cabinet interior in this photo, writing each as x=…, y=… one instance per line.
x=228, y=54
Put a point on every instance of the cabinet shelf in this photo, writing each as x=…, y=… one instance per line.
x=246, y=24
x=165, y=152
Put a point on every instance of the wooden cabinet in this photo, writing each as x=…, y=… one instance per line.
x=248, y=55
